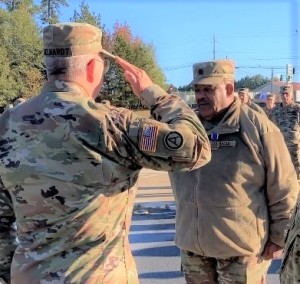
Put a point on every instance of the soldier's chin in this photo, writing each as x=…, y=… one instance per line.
x=205, y=111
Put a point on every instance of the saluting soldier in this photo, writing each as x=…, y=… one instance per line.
x=69, y=165
x=232, y=224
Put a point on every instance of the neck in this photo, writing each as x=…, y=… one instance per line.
x=219, y=116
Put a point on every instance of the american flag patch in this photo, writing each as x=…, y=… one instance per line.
x=148, y=139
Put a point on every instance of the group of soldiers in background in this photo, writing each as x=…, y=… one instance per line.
x=284, y=115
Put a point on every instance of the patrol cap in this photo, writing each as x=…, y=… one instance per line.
x=71, y=39
x=286, y=89
x=270, y=96
x=211, y=73
x=243, y=91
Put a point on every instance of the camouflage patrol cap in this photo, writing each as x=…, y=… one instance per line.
x=211, y=73
x=71, y=39
x=270, y=96
x=286, y=89
x=243, y=91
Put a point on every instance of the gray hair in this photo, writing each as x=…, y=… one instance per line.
x=66, y=67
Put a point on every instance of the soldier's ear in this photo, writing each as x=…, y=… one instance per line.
x=91, y=70
x=229, y=89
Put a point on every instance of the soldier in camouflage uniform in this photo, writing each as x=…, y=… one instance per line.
x=69, y=165
x=287, y=119
x=268, y=108
x=290, y=267
x=232, y=223
x=244, y=96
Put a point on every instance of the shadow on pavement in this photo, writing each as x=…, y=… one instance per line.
x=161, y=275
x=165, y=251
x=151, y=238
x=152, y=227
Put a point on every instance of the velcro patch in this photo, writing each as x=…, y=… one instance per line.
x=215, y=145
x=57, y=51
x=173, y=140
x=148, y=140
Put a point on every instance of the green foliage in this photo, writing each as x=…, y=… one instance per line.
x=85, y=16
x=20, y=55
x=134, y=50
x=251, y=82
x=11, y=5
x=185, y=88
x=50, y=10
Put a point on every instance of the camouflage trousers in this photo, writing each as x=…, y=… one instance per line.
x=238, y=270
x=290, y=268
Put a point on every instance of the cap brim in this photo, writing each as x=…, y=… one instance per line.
x=108, y=54
x=207, y=81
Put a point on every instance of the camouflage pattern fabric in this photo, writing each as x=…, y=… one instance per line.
x=69, y=166
x=290, y=268
x=287, y=120
x=199, y=269
x=270, y=114
x=7, y=235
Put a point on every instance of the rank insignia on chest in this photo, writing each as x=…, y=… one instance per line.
x=215, y=145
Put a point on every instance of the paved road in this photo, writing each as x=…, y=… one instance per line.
x=152, y=233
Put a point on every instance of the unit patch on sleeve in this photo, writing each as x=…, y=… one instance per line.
x=173, y=140
x=148, y=139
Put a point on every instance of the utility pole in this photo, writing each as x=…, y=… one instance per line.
x=272, y=76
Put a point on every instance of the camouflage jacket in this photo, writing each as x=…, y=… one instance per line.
x=287, y=120
x=244, y=196
x=69, y=166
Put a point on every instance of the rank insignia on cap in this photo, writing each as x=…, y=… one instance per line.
x=148, y=139
x=173, y=140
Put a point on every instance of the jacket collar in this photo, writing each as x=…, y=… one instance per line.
x=63, y=86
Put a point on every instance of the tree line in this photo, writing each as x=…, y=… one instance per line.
x=21, y=57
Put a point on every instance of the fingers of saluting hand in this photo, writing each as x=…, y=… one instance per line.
x=129, y=67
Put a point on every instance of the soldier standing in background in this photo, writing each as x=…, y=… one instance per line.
x=244, y=96
x=270, y=104
x=69, y=165
x=286, y=117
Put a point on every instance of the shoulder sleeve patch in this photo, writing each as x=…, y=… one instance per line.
x=173, y=140
x=148, y=140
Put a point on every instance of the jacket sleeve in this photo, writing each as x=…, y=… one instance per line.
x=7, y=236
x=172, y=139
x=282, y=184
